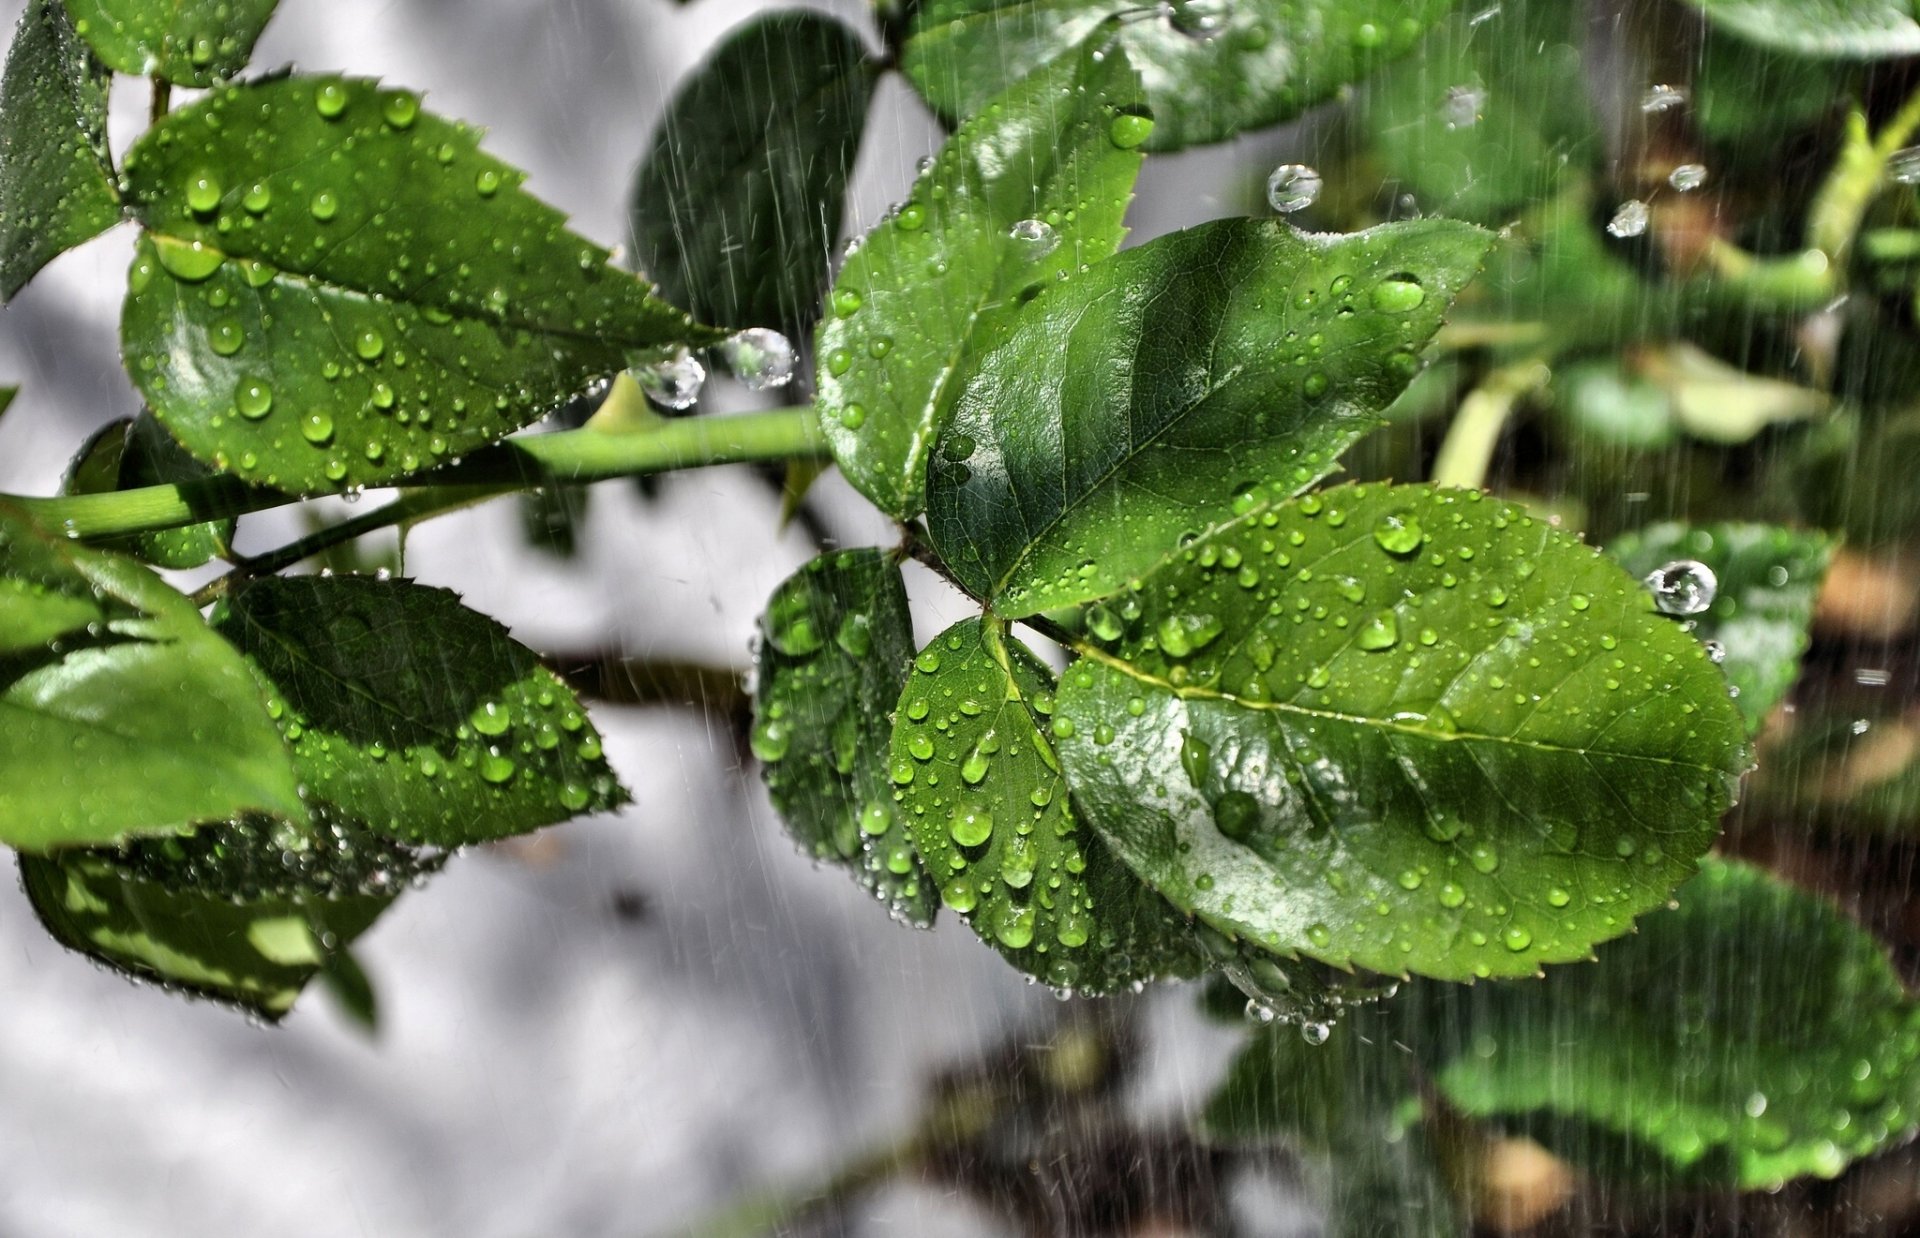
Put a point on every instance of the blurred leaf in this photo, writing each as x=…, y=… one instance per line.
x=1768, y=580
x=415, y=714
x=134, y=452
x=1155, y=386
x=56, y=178
x=980, y=786
x=736, y=205
x=1021, y=196
x=338, y=289
x=1862, y=29
x=192, y=42
x=1722, y=403
x=837, y=643
x=1401, y=698
x=1213, y=68
x=1614, y=404
x=120, y=713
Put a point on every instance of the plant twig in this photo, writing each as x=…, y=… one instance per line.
x=1467, y=452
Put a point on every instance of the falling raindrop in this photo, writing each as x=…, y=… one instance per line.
x=1683, y=587
x=1036, y=237
x=1462, y=106
x=1315, y=1033
x=1662, y=98
x=1688, y=177
x=759, y=358
x=1903, y=165
x=675, y=382
x=1630, y=219
x=1293, y=187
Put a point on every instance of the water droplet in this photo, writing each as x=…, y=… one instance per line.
x=1104, y=623
x=1400, y=294
x=400, y=109
x=1378, y=633
x=257, y=199
x=1462, y=106
x=1182, y=635
x=1315, y=1033
x=203, y=194
x=1035, y=237
x=1398, y=533
x=911, y=218
x=1688, y=177
x=330, y=100
x=1197, y=19
x=853, y=416
x=487, y=182
x=1683, y=587
x=1716, y=652
x=225, y=337
x=1195, y=756
x=1662, y=98
x=761, y=359
x=191, y=261
x=675, y=382
x=971, y=829
x=846, y=302
x=1292, y=187
x=1516, y=938
x=491, y=718
x=324, y=205
x=496, y=768
x=875, y=819
x=1630, y=219
x=369, y=344
x=1130, y=130
x=317, y=428
x=1903, y=165
x=1235, y=814
x=253, y=398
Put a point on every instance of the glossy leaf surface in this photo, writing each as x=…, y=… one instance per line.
x=1212, y=69
x=1408, y=729
x=1021, y=196
x=1851, y=28
x=56, y=182
x=415, y=714
x=837, y=643
x=1173, y=386
x=977, y=779
x=136, y=451
x=737, y=202
x=191, y=42
x=1768, y=579
x=338, y=288
x=120, y=713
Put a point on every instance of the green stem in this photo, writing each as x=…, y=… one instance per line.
x=1467, y=452
x=520, y=463
x=1857, y=177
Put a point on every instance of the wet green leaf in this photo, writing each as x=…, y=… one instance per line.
x=1212, y=68
x=1408, y=729
x=1750, y=1037
x=120, y=713
x=737, y=203
x=136, y=451
x=338, y=288
x=836, y=648
x=977, y=779
x=1172, y=386
x=1021, y=196
x=192, y=42
x=56, y=182
x=246, y=912
x=415, y=714
x=1858, y=29
x=1768, y=580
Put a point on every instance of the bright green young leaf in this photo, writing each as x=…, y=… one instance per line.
x=1768, y=580
x=192, y=42
x=56, y=183
x=415, y=714
x=1856, y=29
x=338, y=288
x=246, y=913
x=1410, y=729
x=136, y=451
x=979, y=784
x=1173, y=386
x=121, y=715
x=737, y=203
x=837, y=645
x=1023, y=195
x=1212, y=68
x=1750, y=1037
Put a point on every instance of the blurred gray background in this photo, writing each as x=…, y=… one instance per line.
x=632, y=1020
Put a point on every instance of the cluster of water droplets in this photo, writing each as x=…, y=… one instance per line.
x=261, y=857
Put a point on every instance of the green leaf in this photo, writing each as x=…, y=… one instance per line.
x=120, y=713
x=1752, y=1036
x=338, y=289
x=245, y=912
x=943, y=277
x=737, y=203
x=1258, y=63
x=837, y=642
x=191, y=42
x=1406, y=699
x=1768, y=579
x=1165, y=390
x=56, y=181
x=1854, y=29
x=979, y=783
x=415, y=714
x=136, y=451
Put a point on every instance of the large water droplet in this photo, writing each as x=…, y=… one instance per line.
x=1315, y=1033
x=1293, y=187
x=1630, y=219
x=1662, y=98
x=1688, y=177
x=1035, y=237
x=1398, y=533
x=203, y=194
x=330, y=100
x=971, y=829
x=759, y=358
x=1400, y=294
x=1683, y=587
x=1130, y=130
x=1379, y=633
x=675, y=382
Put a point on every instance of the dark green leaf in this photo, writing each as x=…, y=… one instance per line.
x=1768, y=579
x=837, y=643
x=120, y=713
x=1752, y=1036
x=415, y=714
x=1861, y=29
x=56, y=183
x=192, y=42
x=737, y=204
x=338, y=289
x=980, y=785
x=136, y=451
x=1212, y=68
x=942, y=278
x=1410, y=729
x=1171, y=387
x=246, y=912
